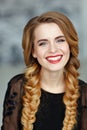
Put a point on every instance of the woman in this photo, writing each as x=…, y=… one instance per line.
x=48, y=96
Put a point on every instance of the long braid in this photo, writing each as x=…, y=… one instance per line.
x=31, y=98
x=71, y=95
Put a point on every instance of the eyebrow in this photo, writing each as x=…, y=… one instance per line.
x=47, y=39
x=41, y=40
x=59, y=37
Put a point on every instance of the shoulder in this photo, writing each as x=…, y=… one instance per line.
x=83, y=92
x=16, y=78
x=15, y=85
x=13, y=102
x=14, y=91
x=83, y=85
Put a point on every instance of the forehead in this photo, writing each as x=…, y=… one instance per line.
x=45, y=29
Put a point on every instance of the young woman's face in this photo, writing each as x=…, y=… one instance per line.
x=50, y=47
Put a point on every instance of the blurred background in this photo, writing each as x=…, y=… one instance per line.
x=13, y=16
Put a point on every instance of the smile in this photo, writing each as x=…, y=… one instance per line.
x=54, y=59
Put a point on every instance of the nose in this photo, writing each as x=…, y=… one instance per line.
x=52, y=47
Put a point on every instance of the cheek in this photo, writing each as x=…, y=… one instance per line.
x=40, y=54
x=37, y=53
x=68, y=52
x=66, y=48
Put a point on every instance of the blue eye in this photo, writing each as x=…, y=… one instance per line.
x=60, y=40
x=42, y=44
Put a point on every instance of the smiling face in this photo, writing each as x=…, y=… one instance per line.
x=50, y=47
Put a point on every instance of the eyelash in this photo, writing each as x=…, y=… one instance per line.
x=61, y=40
x=42, y=43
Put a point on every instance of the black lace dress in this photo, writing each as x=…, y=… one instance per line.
x=51, y=110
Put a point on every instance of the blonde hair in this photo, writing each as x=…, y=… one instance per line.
x=32, y=92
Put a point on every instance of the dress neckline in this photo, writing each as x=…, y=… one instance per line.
x=50, y=93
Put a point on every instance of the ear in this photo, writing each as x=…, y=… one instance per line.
x=34, y=54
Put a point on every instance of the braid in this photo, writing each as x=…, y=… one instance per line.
x=31, y=98
x=71, y=95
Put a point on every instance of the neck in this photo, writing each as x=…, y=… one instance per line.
x=52, y=81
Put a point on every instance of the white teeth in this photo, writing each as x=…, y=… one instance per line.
x=54, y=58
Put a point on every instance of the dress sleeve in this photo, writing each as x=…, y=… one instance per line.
x=12, y=105
x=84, y=106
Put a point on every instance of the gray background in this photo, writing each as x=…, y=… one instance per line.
x=13, y=16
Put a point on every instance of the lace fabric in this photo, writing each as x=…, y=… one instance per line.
x=13, y=105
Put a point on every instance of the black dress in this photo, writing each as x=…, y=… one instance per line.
x=51, y=110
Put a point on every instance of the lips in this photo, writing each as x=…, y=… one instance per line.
x=54, y=59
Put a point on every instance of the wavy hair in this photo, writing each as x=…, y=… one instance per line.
x=32, y=92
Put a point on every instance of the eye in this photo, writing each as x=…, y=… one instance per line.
x=60, y=40
x=42, y=43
